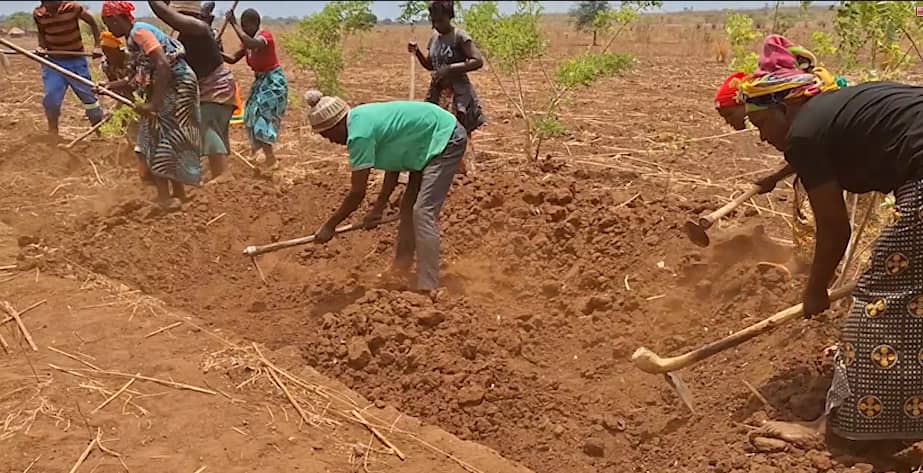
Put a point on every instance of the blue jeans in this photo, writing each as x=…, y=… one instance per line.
x=56, y=85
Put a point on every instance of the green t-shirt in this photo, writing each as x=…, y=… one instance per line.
x=397, y=136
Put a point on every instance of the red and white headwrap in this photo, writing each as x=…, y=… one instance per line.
x=728, y=93
x=115, y=8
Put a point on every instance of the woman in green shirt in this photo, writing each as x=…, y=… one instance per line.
x=416, y=137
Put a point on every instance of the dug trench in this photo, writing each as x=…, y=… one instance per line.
x=555, y=275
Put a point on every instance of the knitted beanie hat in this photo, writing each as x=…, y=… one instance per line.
x=324, y=112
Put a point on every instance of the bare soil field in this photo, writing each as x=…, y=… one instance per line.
x=556, y=272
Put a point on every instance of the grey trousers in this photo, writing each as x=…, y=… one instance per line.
x=418, y=231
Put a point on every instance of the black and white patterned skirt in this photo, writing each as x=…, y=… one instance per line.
x=877, y=390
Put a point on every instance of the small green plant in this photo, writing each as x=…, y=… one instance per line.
x=740, y=33
x=118, y=124
x=318, y=41
x=512, y=42
x=870, y=37
x=822, y=44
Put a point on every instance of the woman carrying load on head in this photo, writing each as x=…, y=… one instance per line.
x=451, y=56
x=216, y=82
x=864, y=138
x=168, y=136
x=269, y=92
x=415, y=137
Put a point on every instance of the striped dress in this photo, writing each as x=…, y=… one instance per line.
x=169, y=141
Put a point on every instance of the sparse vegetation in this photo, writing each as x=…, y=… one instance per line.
x=741, y=35
x=510, y=42
x=317, y=43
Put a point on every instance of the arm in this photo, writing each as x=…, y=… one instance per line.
x=387, y=188
x=184, y=24
x=358, y=182
x=163, y=77
x=473, y=62
x=234, y=58
x=768, y=183
x=373, y=218
x=94, y=26
x=833, y=232
x=249, y=42
x=42, y=43
x=423, y=59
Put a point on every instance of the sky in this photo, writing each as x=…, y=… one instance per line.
x=391, y=9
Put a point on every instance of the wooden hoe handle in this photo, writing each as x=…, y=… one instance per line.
x=65, y=72
x=650, y=362
x=706, y=221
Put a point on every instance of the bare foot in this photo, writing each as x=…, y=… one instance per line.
x=803, y=435
x=171, y=204
x=226, y=177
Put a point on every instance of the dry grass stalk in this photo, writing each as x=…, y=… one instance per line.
x=201, y=469
x=83, y=456
x=114, y=396
x=75, y=358
x=29, y=468
x=23, y=312
x=288, y=395
x=164, y=329
x=378, y=435
x=22, y=327
x=219, y=217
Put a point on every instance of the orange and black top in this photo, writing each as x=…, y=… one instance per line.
x=60, y=28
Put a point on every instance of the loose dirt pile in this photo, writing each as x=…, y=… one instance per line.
x=556, y=272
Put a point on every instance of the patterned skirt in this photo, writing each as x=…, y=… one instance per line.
x=877, y=391
x=266, y=107
x=170, y=142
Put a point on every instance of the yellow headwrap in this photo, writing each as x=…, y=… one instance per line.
x=109, y=40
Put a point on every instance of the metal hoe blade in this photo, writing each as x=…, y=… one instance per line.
x=682, y=391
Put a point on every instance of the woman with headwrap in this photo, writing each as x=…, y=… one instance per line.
x=415, y=137
x=451, y=56
x=269, y=92
x=860, y=139
x=216, y=82
x=168, y=138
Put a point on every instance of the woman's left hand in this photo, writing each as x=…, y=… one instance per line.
x=146, y=108
x=324, y=235
x=232, y=19
x=815, y=301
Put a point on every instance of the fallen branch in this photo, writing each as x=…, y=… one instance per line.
x=378, y=435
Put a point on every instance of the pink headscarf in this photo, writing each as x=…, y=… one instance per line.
x=782, y=57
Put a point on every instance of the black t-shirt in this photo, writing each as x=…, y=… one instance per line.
x=202, y=53
x=867, y=137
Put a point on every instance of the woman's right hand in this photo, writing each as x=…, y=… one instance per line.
x=412, y=47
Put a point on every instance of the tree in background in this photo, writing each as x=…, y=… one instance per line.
x=317, y=43
x=591, y=16
x=513, y=42
x=20, y=19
